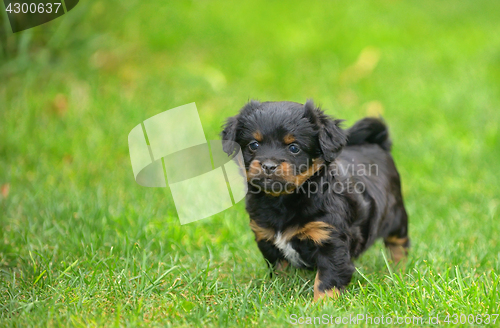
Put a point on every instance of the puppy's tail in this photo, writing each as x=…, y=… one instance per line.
x=369, y=130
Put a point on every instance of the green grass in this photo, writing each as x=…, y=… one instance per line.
x=81, y=244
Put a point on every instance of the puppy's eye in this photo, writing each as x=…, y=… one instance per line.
x=293, y=148
x=253, y=146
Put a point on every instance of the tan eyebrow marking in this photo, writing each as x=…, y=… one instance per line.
x=317, y=231
x=258, y=136
x=289, y=138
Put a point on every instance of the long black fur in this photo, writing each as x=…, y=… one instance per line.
x=357, y=218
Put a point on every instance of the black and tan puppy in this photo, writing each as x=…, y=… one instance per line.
x=318, y=196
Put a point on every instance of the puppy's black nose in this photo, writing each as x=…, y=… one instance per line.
x=269, y=167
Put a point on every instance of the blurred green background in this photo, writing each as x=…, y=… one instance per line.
x=82, y=244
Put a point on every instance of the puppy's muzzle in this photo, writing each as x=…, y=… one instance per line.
x=269, y=167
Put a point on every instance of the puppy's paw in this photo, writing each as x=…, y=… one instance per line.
x=319, y=295
x=282, y=265
x=398, y=248
x=333, y=293
x=280, y=269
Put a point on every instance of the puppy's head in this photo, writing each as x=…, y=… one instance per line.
x=283, y=143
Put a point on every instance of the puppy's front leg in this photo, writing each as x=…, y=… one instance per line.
x=282, y=265
x=335, y=270
x=272, y=255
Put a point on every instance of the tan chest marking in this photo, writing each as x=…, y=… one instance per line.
x=317, y=231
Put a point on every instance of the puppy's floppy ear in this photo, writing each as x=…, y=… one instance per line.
x=231, y=128
x=330, y=136
x=229, y=135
